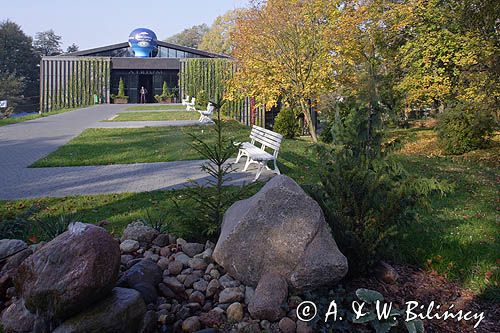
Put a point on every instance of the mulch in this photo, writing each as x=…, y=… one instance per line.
x=424, y=287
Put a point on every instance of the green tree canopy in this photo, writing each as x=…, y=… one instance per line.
x=17, y=57
x=47, y=43
x=190, y=37
x=218, y=37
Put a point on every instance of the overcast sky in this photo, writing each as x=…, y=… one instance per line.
x=94, y=23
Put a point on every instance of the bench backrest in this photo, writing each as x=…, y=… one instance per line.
x=267, y=138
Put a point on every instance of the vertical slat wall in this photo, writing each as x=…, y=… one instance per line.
x=212, y=76
x=69, y=82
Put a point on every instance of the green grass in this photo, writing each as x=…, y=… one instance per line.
x=156, y=116
x=9, y=121
x=177, y=107
x=459, y=236
x=117, y=209
x=165, y=144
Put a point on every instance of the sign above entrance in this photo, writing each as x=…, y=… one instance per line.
x=142, y=41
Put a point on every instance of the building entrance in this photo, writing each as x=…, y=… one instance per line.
x=146, y=81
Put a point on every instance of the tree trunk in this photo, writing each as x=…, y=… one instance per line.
x=308, y=120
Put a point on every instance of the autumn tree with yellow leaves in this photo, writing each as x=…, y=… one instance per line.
x=282, y=53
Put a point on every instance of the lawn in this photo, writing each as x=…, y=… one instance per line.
x=174, y=107
x=156, y=116
x=9, y=121
x=164, y=144
x=458, y=236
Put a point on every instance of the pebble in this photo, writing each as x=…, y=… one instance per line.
x=191, y=324
x=287, y=325
x=197, y=263
x=230, y=295
x=213, y=287
x=175, y=267
x=129, y=245
x=235, y=312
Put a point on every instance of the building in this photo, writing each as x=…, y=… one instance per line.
x=85, y=77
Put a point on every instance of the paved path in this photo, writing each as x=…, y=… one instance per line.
x=23, y=143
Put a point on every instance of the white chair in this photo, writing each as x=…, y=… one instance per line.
x=185, y=100
x=205, y=115
x=191, y=106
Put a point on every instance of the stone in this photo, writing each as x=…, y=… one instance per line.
x=386, y=273
x=197, y=297
x=15, y=259
x=249, y=328
x=143, y=277
x=190, y=280
x=139, y=232
x=192, y=324
x=215, y=274
x=192, y=249
x=180, y=241
x=148, y=323
x=182, y=258
x=161, y=240
x=125, y=258
x=266, y=325
x=174, y=284
x=175, y=267
x=75, y=269
x=287, y=325
x=165, y=251
x=166, y=291
x=231, y=295
x=303, y=327
x=122, y=311
x=163, y=263
x=235, y=312
x=212, y=318
x=212, y=288
x=197, y=263
x=200, y=285
x=9, y=247
x=270, y=294
x=129, y=245
x=249, y=294
x=279, y=229
x=16, y=318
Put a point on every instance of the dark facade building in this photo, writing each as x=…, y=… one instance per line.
x=82, y=77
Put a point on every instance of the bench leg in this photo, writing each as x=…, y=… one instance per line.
x=259, y=171
x=247, y=163
x=276, y=170
x=238, y=157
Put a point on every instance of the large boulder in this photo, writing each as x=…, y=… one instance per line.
x=70, y=272
x=122, y=311
x=9, y=247
x=16, y=318
x=283, y=230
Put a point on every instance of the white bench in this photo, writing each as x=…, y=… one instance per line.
x=259, y=155
x=185, y=100
x=205, y=115
x=191, y=106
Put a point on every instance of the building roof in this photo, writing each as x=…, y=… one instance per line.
x=160, y=43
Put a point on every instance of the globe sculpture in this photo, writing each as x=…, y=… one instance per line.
x=143, y=42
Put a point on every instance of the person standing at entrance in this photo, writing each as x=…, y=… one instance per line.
x=143, y=92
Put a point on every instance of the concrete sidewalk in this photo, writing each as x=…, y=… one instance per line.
x=24, y=143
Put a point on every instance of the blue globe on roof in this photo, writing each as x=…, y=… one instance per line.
x=142, y=41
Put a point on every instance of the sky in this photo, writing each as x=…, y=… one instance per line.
x=95, y=23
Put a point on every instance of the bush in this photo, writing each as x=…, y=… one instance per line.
x=286, y=123
x=366, y=195
x=464, y=127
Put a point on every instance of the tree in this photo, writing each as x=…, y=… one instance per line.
x=18, y=58
x=218, y=37
x=282, y=52
x=11, y=89
x=72, y=48
x=190, y=37
x=47, y=43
